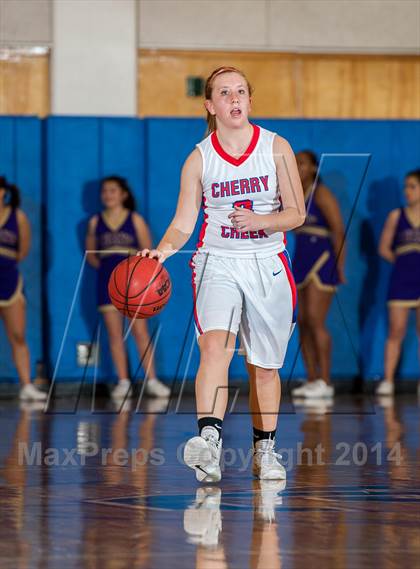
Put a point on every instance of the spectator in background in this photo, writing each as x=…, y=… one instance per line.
x=119, y=228
x=318, y=267
x=400, y=245
x=15, y=242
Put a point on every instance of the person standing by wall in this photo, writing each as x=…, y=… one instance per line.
x=318, y=267
x=15, y=243
x=400, y=245
x=116, y=232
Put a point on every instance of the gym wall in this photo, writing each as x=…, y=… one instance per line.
x=364, y=164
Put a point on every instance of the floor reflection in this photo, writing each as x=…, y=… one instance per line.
x=106, y=489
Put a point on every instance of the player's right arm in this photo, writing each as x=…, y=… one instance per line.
x=90, y=243
x=387, y=236
x=189, y=203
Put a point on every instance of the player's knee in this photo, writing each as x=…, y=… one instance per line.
x=214, y=348
x=264, y=375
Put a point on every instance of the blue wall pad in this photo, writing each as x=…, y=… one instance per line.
x=363, y=162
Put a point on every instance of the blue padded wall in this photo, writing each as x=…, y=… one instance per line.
x=21, y=163
x=366, y=160
x=80, y=152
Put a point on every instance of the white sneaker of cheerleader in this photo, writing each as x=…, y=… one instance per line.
x=314, y=389
x=154, y=388
x=31, y=393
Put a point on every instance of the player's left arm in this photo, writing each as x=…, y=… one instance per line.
x=24, y=228
x=328, y=205
x=293, y=211
x=143, y=234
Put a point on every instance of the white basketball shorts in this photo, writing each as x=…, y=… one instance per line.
x=253, y=297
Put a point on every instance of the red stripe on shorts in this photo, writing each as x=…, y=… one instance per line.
x=290, y=278
x=195, y=295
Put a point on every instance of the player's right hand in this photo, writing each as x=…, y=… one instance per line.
x=153, y=254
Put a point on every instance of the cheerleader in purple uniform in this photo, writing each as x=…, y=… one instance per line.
x=114, y=233
x=318, y=268
x=15, y=242
x=400, y=245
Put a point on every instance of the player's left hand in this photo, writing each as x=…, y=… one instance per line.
x=246, y=220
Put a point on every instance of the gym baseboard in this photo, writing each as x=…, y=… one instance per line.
x=10, y=390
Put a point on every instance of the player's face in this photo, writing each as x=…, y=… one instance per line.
x=230, y=100
x=112, y=195
x=412, y=190
x=307, y=170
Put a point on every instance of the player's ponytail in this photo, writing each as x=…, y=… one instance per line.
x=211, y=119
x=12, y=196
x=129, y=202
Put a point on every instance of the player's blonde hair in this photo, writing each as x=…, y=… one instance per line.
x=211, y=119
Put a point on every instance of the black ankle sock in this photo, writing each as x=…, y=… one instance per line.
x=210, y=422
x=260, y=435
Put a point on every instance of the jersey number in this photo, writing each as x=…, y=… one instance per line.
x=247, y=204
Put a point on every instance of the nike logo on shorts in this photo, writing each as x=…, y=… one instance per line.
x=278, y=272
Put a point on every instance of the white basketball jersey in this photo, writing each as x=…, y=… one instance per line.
x=249, y=181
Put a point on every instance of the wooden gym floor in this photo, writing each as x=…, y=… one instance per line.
x=100, y=488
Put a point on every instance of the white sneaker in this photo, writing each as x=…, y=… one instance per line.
x=266, y=498
x=30, y=393
x=319, y=389
x=156, y=388
x=122, y=389
x=202, y=520
x=300, y=391
x=265, y=464
x=202, y=454
x=385, y=387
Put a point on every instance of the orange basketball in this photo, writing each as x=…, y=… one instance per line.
x=139, y=287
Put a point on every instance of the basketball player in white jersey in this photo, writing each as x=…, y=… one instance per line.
x=247, y=181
